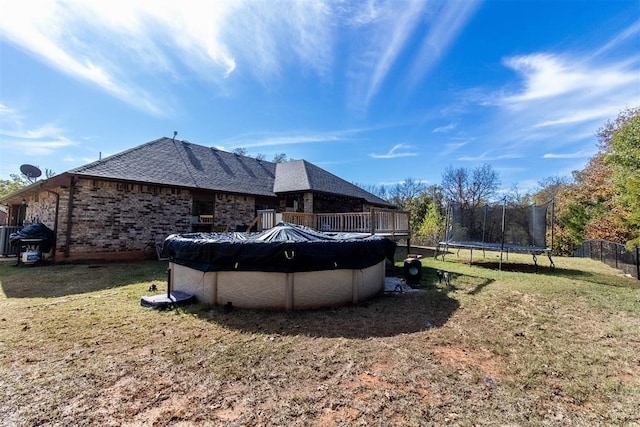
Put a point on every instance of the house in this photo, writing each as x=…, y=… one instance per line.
x=123, y=205
x=4, y=217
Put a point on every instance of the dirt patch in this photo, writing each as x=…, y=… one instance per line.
x=463, y=358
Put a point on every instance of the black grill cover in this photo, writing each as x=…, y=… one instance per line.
x=34, y=231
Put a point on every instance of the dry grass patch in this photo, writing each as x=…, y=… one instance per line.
x=495, y=348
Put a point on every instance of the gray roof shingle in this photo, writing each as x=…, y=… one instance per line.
x=180, y=163
x=300, y=175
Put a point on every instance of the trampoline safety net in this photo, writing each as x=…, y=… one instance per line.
x=525, y=227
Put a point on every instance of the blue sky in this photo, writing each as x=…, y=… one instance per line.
x=372, y=91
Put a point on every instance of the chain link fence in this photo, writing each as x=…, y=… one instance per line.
x=613, y=254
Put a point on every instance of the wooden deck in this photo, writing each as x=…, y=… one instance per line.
x=383, y=222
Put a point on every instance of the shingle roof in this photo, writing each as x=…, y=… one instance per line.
x=300, y=175
x=180, y=163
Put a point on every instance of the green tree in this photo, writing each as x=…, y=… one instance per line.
x=432, y=226
x=8, y=186
x=18, y=181
x=621, y=141
x=603, y=200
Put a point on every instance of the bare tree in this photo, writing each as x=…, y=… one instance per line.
x=470, y=188
x=516, y=197
x=280, y=158
x=409, y=189
x=550, y=187
x=377, y=190
x=241, y=151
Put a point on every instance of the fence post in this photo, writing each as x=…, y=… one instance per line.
x=601, y=250
x=638, y=261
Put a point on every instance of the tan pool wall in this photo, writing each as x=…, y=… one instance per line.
x=284, y=291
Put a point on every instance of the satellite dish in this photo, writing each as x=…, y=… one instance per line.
x=30, y=171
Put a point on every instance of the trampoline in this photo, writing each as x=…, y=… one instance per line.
x=499, y=228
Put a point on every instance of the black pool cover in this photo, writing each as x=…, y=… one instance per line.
x=285, y=248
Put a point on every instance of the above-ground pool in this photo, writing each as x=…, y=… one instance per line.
x=287, y=267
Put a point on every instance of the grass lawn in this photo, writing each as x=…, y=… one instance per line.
x=555, y=347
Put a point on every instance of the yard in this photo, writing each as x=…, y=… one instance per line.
x=495, y=348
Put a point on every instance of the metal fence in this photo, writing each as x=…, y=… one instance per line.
x=613, y=254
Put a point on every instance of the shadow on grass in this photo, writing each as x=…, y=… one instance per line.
x=389, y=314
x=516, y=267
x=466, y=283
x=586, y=276
x=57, y=280
x=599, y=278
x=401, y=252
x=480, y=286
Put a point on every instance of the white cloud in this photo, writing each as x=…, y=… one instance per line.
x=124, y=47
x=444, y=129
x=27, y=138
x=285, y=140
x=398, y=150
x=575, y=155
x=387, y=27
x=445, y=26
x=485, y=157
x=44, y=131
x=558, y=100
x=551, y=76
x=42, y=147
x=621, y=37
x=392, y=38
x=110, y=43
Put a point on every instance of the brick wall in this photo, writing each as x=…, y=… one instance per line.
x=120, y=217
x=233, y=210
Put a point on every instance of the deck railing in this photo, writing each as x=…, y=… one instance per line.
x=376, y=221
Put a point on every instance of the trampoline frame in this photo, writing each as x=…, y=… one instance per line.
x=502, y=247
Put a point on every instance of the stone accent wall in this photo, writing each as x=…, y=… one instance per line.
x=233, y=210
x=307, y=203
x=41, y=208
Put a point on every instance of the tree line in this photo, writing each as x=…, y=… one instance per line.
x=601, y=201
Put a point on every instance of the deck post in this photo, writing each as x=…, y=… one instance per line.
x=372, y=220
